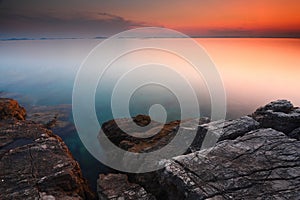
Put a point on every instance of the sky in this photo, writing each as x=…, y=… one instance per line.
x=103, y=18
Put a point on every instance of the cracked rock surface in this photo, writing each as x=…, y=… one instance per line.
x=255, y=157
x=280, y=115
x=262, y=164
x=36, y=164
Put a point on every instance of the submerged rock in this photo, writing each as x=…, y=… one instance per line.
x=35, y=163
x=52, y=117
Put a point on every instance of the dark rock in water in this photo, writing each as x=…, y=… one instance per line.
x=35, y=163
x=279, y=115
x=159, y=134
x=116, y=186
x=10, y=108
x=118, y=131
x=142, y=120
x=262, y=164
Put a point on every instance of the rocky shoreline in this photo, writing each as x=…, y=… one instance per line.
x=256, y=157
x=34, y=162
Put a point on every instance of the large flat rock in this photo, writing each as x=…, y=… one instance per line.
x=262, y=164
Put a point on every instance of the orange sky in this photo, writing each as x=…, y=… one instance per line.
x=214, y=18
x=195, y=16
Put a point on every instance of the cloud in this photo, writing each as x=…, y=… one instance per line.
x=115, y=17
x=57, y=24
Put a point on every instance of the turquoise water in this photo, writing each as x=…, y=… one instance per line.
x=254, y=72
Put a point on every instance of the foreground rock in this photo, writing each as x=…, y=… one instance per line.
x=36, y=164
x=116, y=186
x=254, y=157
x=262, y=164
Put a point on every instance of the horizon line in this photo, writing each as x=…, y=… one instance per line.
x=105, y=37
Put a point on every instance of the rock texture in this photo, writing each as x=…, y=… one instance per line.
x=255, y=157
x=263, y=164
x=222, y=130
x=35, y=163
x=158, y=134
x=279, y=115
x=116, y=186
x=10, y=108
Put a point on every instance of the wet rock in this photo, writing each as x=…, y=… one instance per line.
x=280, y=115
x=261, y=164
x=10, y=108
x=116, y=186
x=36, y=164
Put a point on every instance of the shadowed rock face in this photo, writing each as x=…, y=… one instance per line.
x=279, y=115
x=35, y=163
x=252, y=159
x=222, y=130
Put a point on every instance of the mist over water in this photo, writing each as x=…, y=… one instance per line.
x=254, y=72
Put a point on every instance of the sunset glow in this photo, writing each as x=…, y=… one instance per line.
x=215, y=18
